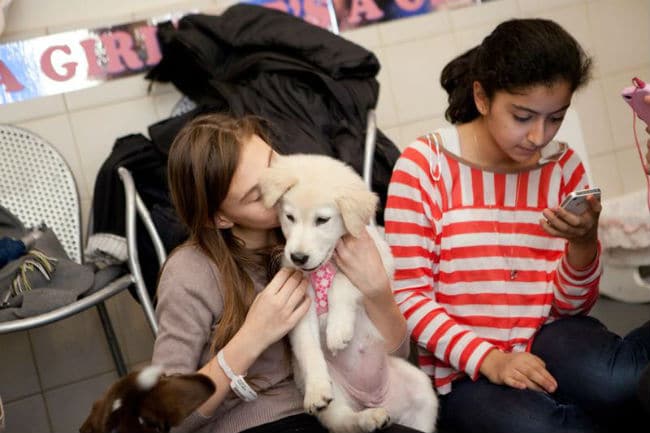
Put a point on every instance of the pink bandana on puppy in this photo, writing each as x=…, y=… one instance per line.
x=321, y=280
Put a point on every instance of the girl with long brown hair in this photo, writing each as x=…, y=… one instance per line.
x=218, y=311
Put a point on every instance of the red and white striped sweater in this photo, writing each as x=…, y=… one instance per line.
x=474, y=269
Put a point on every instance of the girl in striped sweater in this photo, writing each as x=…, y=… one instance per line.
x=494, y=278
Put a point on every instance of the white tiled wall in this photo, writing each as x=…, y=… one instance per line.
x=50, y=376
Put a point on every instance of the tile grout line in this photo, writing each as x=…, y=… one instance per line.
x=40, y=382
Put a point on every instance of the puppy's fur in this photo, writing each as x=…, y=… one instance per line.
x=147, y=402
x=320, y=199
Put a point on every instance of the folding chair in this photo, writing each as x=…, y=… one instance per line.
x=38, y=186
x=135, y=205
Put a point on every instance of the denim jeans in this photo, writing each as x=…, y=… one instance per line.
x=304, y=423
x=597, y=373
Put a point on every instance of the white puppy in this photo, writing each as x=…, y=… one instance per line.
x=348, y=380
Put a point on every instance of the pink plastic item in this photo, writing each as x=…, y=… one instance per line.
x=634, y=95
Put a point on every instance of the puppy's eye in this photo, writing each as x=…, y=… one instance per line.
x=322, y=220
x=290, y=217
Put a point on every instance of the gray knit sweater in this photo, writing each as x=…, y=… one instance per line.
x=190, y=302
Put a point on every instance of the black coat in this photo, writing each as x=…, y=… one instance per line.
x=148, y=167
x=313, y=86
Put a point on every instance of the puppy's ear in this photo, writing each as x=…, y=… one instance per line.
x=174, y=398
x=103, y=416
x=274, y=182
x=357, y=207
x=97, y=421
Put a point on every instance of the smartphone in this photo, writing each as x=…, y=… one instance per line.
x=634, y=95
x=576, y=202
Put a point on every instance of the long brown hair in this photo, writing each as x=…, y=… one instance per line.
x=201, y=165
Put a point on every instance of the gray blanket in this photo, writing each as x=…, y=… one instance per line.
x=69, y=280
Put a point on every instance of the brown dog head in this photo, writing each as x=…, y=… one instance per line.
x=147, y=402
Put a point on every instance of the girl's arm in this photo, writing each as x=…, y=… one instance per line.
x=578, y=273
x=239, y=353
x=359, y=259
x=273, y=313
x=185, y=318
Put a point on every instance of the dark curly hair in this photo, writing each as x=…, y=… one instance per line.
x=519, y=53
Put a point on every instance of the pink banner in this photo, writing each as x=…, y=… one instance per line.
x=63, y=62
x=69, y=61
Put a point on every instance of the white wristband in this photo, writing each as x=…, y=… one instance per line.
x=237, y=382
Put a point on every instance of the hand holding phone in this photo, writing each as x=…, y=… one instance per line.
x=576, y=202
x=576, y=220
x=634, y=96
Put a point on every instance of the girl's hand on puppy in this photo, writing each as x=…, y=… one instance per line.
x=360, y=261
x=277, y=308
x=519, y=370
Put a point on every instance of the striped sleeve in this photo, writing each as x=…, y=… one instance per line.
x=575, y=290
x=411, y=217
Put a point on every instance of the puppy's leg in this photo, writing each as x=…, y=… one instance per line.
x=412, y=401
x=310, y=362
x=339, y=417
x=343, y=299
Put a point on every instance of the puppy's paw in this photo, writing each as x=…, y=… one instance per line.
x=318, y=395
x=373, y=419
x=339, y=335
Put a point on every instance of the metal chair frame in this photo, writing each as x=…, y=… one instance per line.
x=72, y=241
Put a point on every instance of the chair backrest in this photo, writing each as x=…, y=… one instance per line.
x=37, y=186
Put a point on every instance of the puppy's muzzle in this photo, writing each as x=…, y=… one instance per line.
x=299, y=258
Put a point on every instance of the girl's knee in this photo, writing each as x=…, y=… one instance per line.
x=560, y=417
x=572, y=326
x=609, y=392
x=515, y=411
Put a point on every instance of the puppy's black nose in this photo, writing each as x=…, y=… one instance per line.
x=299, y=258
